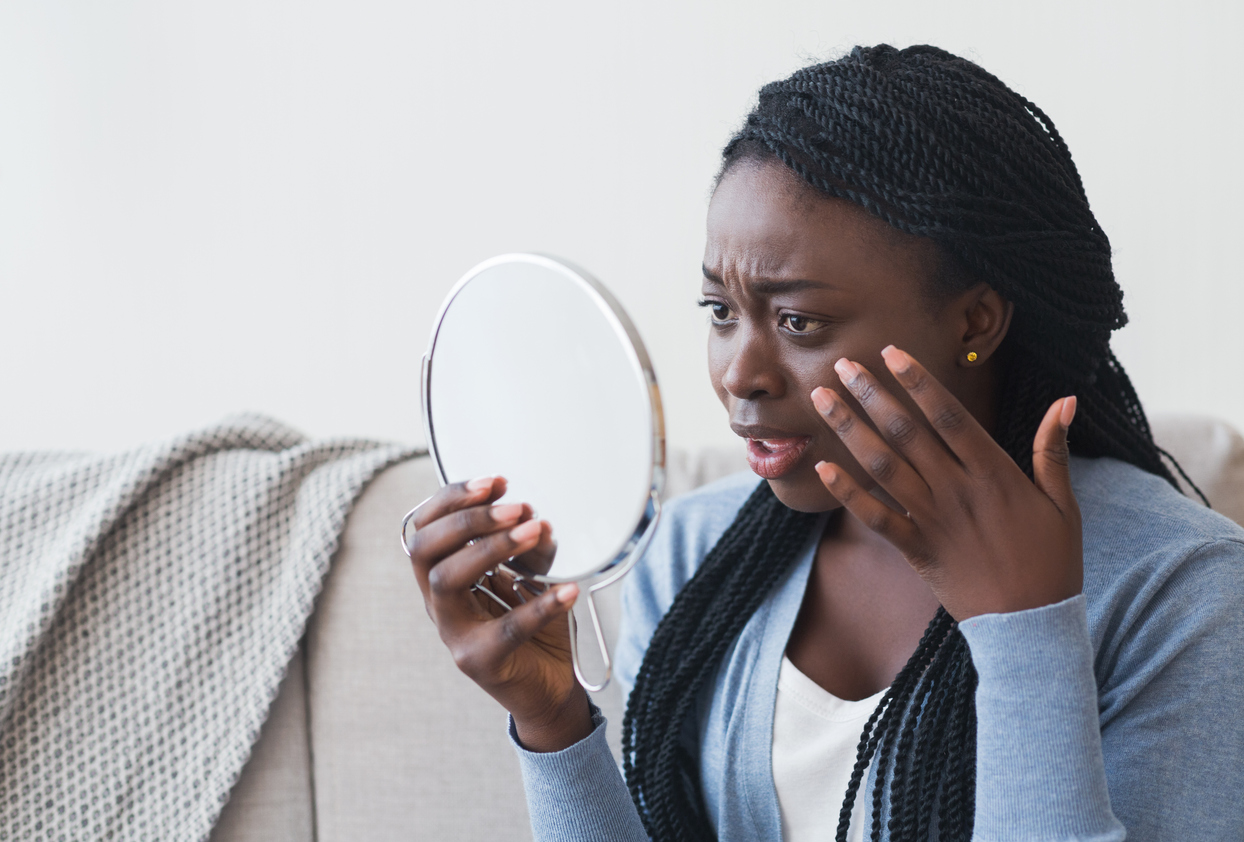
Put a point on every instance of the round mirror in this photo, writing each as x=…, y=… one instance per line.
x=535, y=373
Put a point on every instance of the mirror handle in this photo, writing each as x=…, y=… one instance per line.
x=600, y=642
x=653, y=515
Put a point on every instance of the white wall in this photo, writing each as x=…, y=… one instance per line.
x=214, y=206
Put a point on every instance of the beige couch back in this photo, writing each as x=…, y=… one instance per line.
x=376, y=735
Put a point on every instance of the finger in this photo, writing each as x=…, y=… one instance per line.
x=499, y=584
x=896, y=528
x=540, y=559
x=445, y=536
x=516, y=587
x=1051, y=458
x=492, y=642
x=456, y=496
x=901, y=430
x=450, y=581
x=965, y=437
x=891, y=471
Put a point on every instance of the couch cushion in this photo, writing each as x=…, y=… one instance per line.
x=272, y=801
x=1211, y=452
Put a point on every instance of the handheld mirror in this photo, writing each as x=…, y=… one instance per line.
x=534, y=373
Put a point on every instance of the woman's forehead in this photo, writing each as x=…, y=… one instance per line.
x=764, y=223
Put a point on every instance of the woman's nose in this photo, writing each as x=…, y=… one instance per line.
x=752, y=371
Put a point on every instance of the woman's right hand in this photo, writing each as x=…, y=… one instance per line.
x=521, y=657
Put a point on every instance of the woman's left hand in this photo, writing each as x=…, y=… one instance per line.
x=985, y=537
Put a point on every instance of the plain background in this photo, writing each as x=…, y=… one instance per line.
x=210, y=207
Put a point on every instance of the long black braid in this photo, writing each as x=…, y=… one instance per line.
x=937, y=148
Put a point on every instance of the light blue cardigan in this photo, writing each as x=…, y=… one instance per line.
x=1116, y=713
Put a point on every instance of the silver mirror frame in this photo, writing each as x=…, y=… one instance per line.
x=613, y=569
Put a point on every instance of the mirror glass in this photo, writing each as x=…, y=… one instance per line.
x=535, y=373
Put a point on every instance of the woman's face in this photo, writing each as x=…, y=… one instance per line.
x=795, y=281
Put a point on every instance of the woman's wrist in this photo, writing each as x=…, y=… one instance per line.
x=570, y=724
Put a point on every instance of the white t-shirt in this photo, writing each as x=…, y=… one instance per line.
x=815, y=737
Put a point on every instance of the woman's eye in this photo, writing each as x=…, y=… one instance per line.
x=721, y=313
x=800, y=324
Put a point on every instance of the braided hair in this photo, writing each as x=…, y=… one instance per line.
x=938, y=148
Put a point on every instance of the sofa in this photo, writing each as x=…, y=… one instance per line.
x=376, y=736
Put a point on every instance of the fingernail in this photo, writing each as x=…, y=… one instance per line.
x=477, y=485
x=899, y=361
x=826, y=472
x=847, y=370
x=1068, y=411
x=507, y=512
x=823, y=399
x=566, y=593
x=525, y=531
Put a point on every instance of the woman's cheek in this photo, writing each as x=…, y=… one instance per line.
x=718, y=362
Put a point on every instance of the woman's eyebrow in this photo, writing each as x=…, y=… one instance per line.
x=765, y=286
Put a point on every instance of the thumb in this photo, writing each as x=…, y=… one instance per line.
x=1051, y=457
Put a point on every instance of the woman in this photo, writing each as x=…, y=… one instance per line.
x=939, y=615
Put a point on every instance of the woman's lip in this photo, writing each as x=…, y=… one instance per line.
x=773, y=457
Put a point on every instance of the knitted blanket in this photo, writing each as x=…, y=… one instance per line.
x=150, y=602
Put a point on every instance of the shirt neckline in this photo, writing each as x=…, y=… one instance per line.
x=819, y=701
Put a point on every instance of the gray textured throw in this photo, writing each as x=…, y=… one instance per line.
x=150, y=602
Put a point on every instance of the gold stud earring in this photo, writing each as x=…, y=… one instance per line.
x=971, y=356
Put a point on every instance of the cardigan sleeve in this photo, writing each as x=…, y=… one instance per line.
x=577, y=794
x=1140, y=739
x=1040, y=773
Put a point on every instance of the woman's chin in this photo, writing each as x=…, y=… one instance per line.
x=804, y=493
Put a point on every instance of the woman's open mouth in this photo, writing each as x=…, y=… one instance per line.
x=771, y=458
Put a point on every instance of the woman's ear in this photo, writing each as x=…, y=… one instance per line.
x=986, y=320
